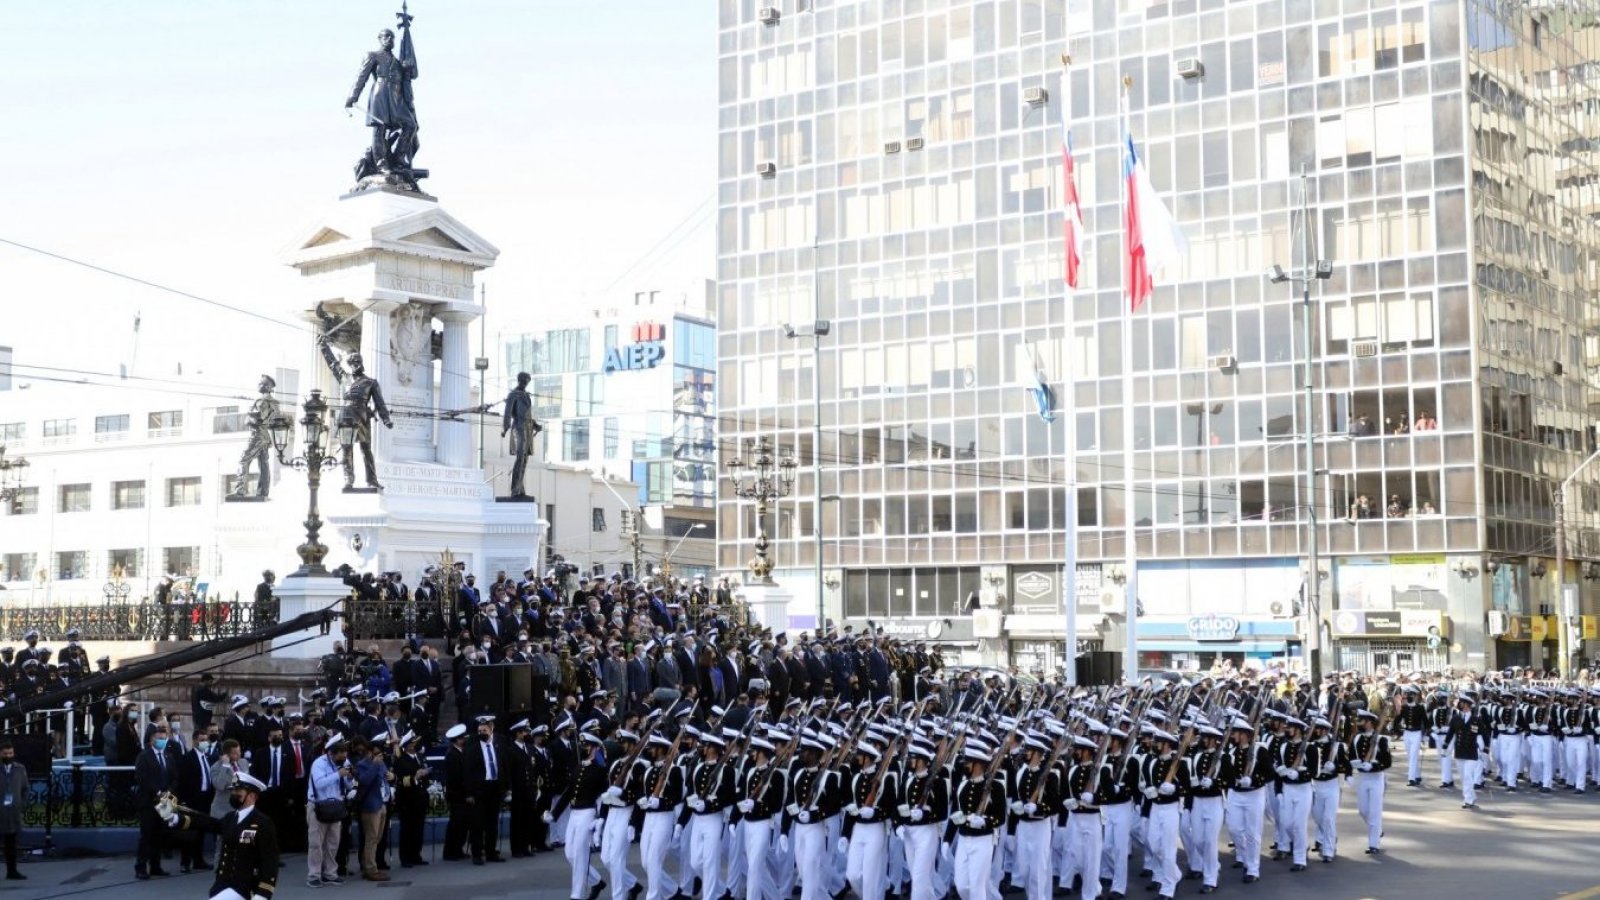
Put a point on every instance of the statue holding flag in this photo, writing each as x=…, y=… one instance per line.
x=391, y=112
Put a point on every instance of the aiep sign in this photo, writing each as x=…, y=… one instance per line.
x=646, y=352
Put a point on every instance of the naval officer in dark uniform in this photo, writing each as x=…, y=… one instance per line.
x=247, y=851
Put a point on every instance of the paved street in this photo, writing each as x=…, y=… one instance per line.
x=1523, y=846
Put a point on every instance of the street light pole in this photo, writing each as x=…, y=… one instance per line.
x=313, y=460
x=770, y=479
x=816, y=331
x=666, y=562
x=1310, y=269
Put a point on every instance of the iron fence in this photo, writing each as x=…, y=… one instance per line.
x=180, y=621
x=368, y=620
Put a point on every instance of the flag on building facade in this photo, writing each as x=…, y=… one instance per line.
x=1152, y=241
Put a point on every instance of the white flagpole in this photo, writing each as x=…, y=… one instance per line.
x=1130, y=568
x=1069, y=403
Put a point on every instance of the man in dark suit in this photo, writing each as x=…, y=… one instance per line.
x=639, y=677
x=683, y=653
x=153, y=775
x=777, y=678
x=273, y=765
x=487, y=776
x=200, y=703
x=878, y=672
x=816, y=670
x=195, y=791
x=799, y=678
x=732, y=676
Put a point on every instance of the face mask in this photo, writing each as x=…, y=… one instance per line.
x=483, y=737
x=276, y=741
x=161, y=743
x=236, y=801
x=203, y=746
x=133, y=717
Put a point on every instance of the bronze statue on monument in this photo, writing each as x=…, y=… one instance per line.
x=516, y=419
x=363, y=400
x=391, y=112
x=259, y=423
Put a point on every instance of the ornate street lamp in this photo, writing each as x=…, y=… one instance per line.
x=765, y=479
x=313, y=460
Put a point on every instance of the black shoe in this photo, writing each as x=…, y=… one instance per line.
x=477, y=860
x=1327, y=859
x=1194, y=876
x=405, y=865
x=1152, y=887
x=1297, y=867
x=594, y=892
x=1206, y=888
x=1146, y=873
x=498, y=858
x=1469, y=806
x=160, y=873
x=1447, y=785
x=1250, y=879
x=1237, y=865
x=16, y=876
x=1544, y=790
x=1115, y=896
x=202, y=866
x=183, y=869
x=1374, y=851
x=142, y=876
x=637, y=889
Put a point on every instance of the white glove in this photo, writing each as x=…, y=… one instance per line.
x=746, y=805
x=166, y=808
x=655, y=803
x=545, y=817
x=1205, y=784
x=1363, y=766
x=258, y=897
x=842, y=846
x=614, y=792
x=1072, y=805
x=976, y=821
x=804, y=817
x=900, y=833
x=1016, y=807
x=793, y=809
x=677, y=832
x=903, y=811
x=1150, y=793
x=1284, y=772
x=1167, y=789
x=783, y=843
x=852, y=809
x=1086, y=799
x=1244, y=782
x=916, y=814
x=173, y=820
x=1327, y=768
x=594, y=842
x=630, y=834
x=1029, y=809
x=867, y=812
x=959, y=818
x=350, y=794
x=696, y=804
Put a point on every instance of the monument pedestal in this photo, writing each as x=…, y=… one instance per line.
x=769, y=605
x=302, y=595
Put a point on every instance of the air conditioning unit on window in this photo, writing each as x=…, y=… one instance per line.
x=914, y=143
x=987, y=623
x=1363, y=349
x=1035, y=96
x=767, y=170
x=891, y=146
x=1111, y=600
x=1189, y=67
x=1223, y=362
x=769, y=15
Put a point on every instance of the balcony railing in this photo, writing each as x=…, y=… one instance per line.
x=112, y=621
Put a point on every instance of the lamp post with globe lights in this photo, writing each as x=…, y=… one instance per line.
x=313, y=459
x=764, y=478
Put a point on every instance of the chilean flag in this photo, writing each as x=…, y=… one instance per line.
x=1072, y=217
x=1152, y=240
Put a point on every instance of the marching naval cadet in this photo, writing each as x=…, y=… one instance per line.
x=1166, y=779
x=1509, y=727
x=1088, y=789
x=579, y=803
x=1372, y=758
x=924, y=808
x=1439, y=715
x=1206, y=809
x=1246, y=773
x=1119, y=812
x=661, y=791
x=1413, y=719
x=812, y=799
x=247, y=846
x=1541, y=741
x=711, y=790
x=1035, y=794
x=978, y=809
x=872, y=800
x=616, y=810
x=1577, y=737
x=762, y=794
x=1325, y=786
x=1297, y=760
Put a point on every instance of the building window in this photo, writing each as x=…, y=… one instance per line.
x=73, y=498
x=626, y=522
x=72, y=565
x=25, y=503
x=128, y=563
x=562, y=350
x=547, y=397
x=127, y=495
x=598, y=519
x=183, y=491
x=591, y=394
x=17, y=566
x=110, y=428
x=59, y=431
x=13, y=432
x=181, y=561
x=227, y=420
x=575, y=440
x=165, y=423
x=612, y=438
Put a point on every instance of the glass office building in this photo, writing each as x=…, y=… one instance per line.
x=895, y=168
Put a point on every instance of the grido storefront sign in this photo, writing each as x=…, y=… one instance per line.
x=1034, y=592
x=1213, y=627
x=649, y=347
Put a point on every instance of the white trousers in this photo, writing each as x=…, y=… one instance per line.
x=1205, y=826
x=1446, y=759
x=834, y=861
x=1245, y=811
x=733, y=859
x=1413, y=740
x=922, y=858
x=1117, y=843
x=758, y=883
x=704, y=839
x=1294, y=811
x=974, y=857
x=1469, y=779
x=1325, y=812
x=655, y=842
x=1576, y=764
x=1032, y=867
x=1282, y=834
x=614, y=852
x=580, y=830
x=1509, y=758
x=1369, y=802
x=1085, y=839
x=810, y=859
x=1541, y=759
x=1161, y=837
x=866, y=865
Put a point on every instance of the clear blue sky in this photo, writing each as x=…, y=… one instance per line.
x=187, y=142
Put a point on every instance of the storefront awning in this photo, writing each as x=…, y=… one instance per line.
x=1268, y=647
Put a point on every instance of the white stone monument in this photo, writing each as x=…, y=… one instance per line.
x=389, y=265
